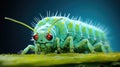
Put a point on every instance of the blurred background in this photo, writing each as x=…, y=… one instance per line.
x=14, y=37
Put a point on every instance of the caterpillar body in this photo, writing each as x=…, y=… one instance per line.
x=61, y=35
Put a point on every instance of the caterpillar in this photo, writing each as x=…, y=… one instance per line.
x=62, y=35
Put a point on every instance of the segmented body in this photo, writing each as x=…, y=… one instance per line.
x=76, y=29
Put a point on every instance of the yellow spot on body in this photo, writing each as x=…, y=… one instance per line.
x=40, y=23
x=77, y=24
x=63, y=22
x=77, y=27
x=70, y=25
x=90, y=30
x=84, y=29
x=55, y=19
x=46, y=18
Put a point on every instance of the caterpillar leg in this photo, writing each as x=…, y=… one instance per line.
x=107, y=47
x=29, y=47
x=58, y=45
x=85, y=45
x=99, y=47
x=37, y=48
x=69, y=42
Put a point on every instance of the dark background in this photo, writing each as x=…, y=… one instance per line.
x=14, y=37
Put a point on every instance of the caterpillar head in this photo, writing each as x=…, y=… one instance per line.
x=45, y=34
x=44, y=38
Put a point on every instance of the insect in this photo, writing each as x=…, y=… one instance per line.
x=61, y=34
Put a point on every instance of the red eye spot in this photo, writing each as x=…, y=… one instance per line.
x=49, y=36
x=35, y=37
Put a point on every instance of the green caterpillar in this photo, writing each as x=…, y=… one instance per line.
x=62, y=35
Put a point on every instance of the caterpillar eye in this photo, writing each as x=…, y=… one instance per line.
x=35, y=37
x=49, y=36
